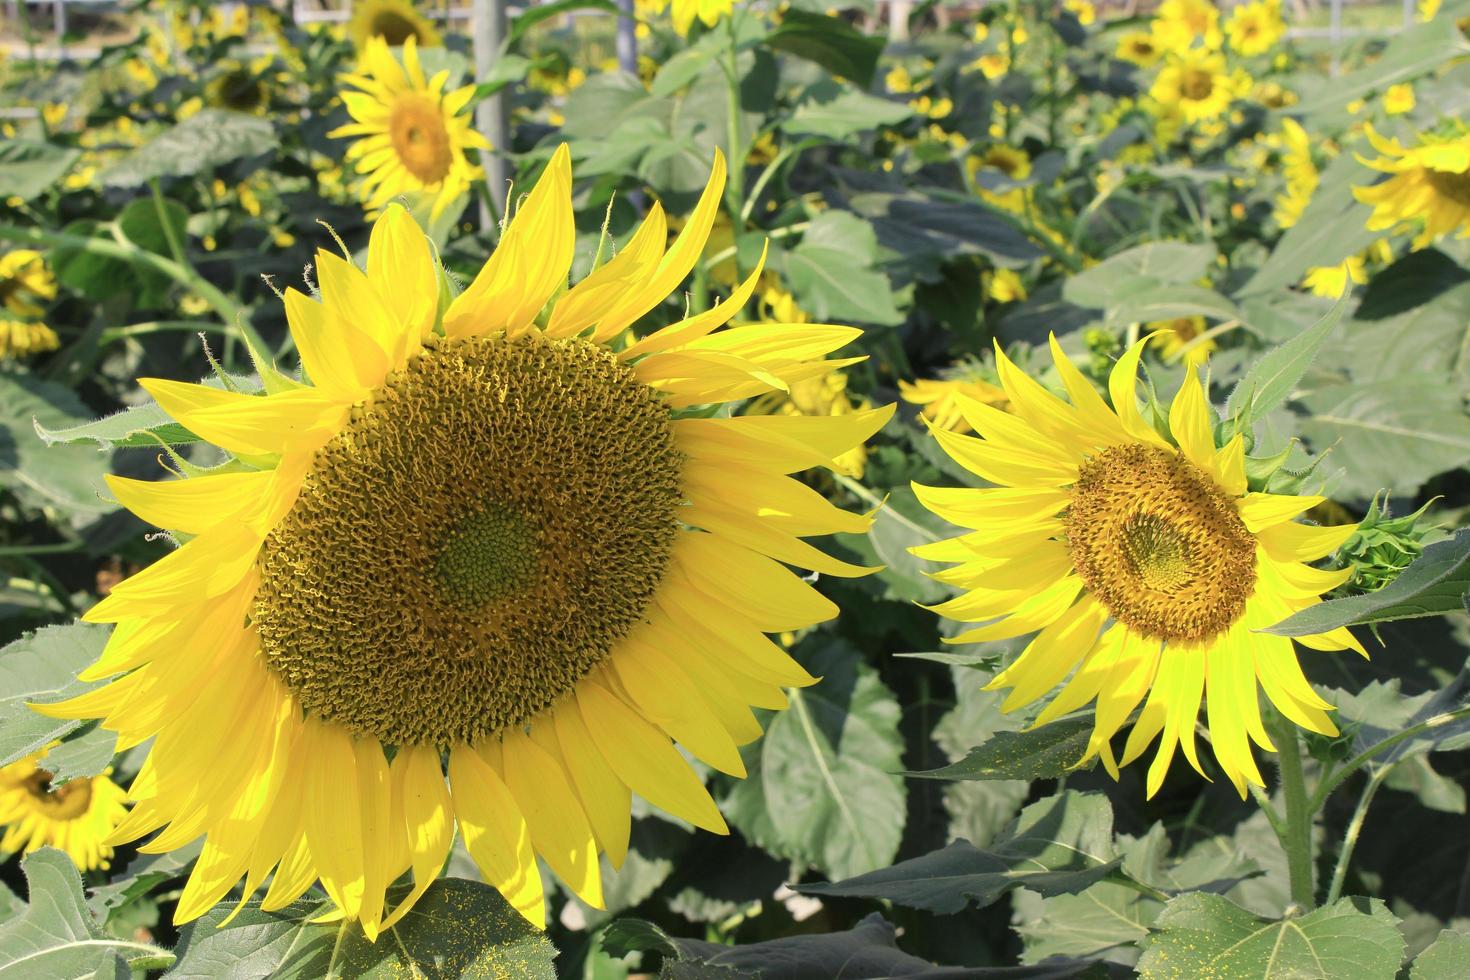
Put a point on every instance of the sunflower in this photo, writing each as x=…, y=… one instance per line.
x=1178, y=24
x=396, y=22
x=1139, y=47
x=411, y=134
x=1198, y=85
x=493, y=534
x=1144, y=562
x=684, y=12
x=25, y=281
x=75, y=817
x=21, y=338
x=1255, y=28
x=1176, y=339
x=939, y=399
x=1429, y=186
x=1399, y=99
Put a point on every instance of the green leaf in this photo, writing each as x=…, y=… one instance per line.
x=142, y=425
x=822, y=788
x=1110, y=918
x=56, y=935
x=1417, y=50
x=1412, y=281
x=831, y=272
x=1166, y=302
x=458, y=928
x=523, y=22
x=1145, y=267
x=28, y=168
x=1397, y=433
x=831, y=42
x=1332, y=228
x=208, y=139
x=143, y=875
x=1063, y=843
x=67, y=478
x=85, y=752
x=1200, y=935
x=929, y=230
x=1273, y=378
x=1042, y=753
x=1434, y=584
x=1445, y=958
x=43, y=666
x=842, y=113
x=1380, y=711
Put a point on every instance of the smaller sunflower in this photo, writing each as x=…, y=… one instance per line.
x=395, y=21
x=939, y=399
x=684, y=12
x=1254, y=28
x=1139, y=47
x=21, y=338
x=1198, y=85
x=1175, y=339
x=1429, y=186
x=75, y=817
x=1179, y=23
x=411, y=133
x=24, y=281
x=1399, y=99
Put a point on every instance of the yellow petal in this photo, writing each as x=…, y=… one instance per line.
x=495, y=832
x=559, y=830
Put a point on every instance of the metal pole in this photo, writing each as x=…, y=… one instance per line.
x=627, y=37
x=1336, y=35
x=487, y=26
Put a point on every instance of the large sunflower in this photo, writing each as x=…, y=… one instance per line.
x=488, y=537
x=394, y=21
x=1198, y=85
x=1144, y=562
x=76, y=816
x=411, y=133
x=1429, y=187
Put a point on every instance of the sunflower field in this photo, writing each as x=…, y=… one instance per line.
x=706, y=489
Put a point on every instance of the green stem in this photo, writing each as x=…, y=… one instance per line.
x=1325, y=788
x=1354, y=829
x=1272, y=817
x=735, y=162
x=175, y=247
x=16, y=550
x=114, y=334
x=1297, y=839
x=234, y=315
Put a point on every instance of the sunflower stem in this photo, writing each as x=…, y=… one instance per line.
x=1354, y=829
x=1297, y=839
x=735, y=162
x=1325, y=789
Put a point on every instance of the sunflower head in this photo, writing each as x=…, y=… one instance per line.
x=1198, y=86
x=25, y=282
x=238, y=89
x=1255, y=28
x=395, y=22
x=505, y=541
x=1141, y=560
x=76, y=816
x=410, y=134
x=1428, y=187
x=1139, y=47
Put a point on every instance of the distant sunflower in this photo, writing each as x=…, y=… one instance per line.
x=1255, y=28
x=1139, y=47
x=1429, y=187
x=1178, y=24
x=411, y=133
x=1144, y=562
x=22, y=338
x=395, y=21
x=1176, y=338
x=76, y=817
x=505, y=534
x=1198, y=85
x=939, y=399
x=25, y=282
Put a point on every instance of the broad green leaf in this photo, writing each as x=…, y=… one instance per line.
x=1041, y=753
x=142, y=425
x=1379, y=711
x=1200, y=934
x=209, y=139
x=822, y=788
x=85, y=752
x=1434, y=584
x=1332, y=228
x=1063, y=843
x=43, y=666
x=28, y=168
x=1415, y=51
x=66, y=478
x=925, y=230
x=867, y=950
x=830, y=42
x=1170, y=301
x=56, y=935
x=1412, y=281
x=1445, y=958
x=144, y=874
x=979, y=810
x=1271, y=380
x=831, y=272
x=1109, y=918
x=1144, y=267
x=839, y=113
x=1397, y=433
x=458, y=928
